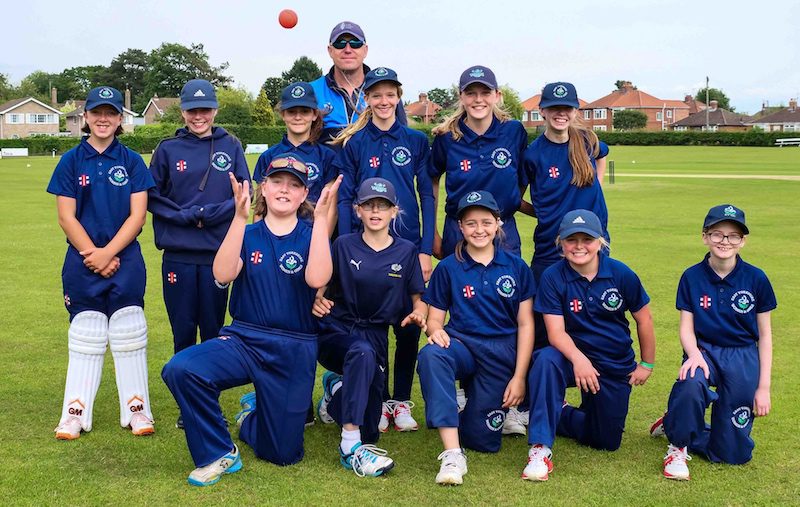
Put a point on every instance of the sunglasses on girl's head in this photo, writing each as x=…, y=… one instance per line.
x=341, y=43
x=282, y=163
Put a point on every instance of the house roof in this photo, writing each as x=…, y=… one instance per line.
x=694, y=105
x=15, y=103
x=630, y=97
x=422, y=108
x=532, y=103
x=785, y=115
x=80, y=104
x=720, y=117
x=161, y=104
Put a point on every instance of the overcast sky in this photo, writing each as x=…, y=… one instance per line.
x=749, y=49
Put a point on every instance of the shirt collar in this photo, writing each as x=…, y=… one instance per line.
x=714, y=277
x=375, y=133
x=603, y=270
x=500, y=258
x=91, y=152
x=304, y=147
x=470, y=135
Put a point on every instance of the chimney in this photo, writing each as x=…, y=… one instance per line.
x=423, y=97
x=54, y=96
x=712, y=105
x=127, y=98
x=792, y=104
x=688, y=99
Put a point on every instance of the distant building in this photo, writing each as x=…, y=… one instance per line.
x=718, y=119
x=531, y=116
x=156, y=107
x=786, y=119
x=423, y=109
x=26, y=117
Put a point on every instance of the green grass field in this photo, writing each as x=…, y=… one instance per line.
x=655, y=228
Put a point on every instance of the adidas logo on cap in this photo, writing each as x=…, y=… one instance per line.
x=579, y=220
x=199, y=93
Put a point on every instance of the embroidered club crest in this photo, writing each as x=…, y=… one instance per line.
x=477, y=72
x=379, y=187
x=118, y=176
x=501, y=158
x=298, y=92
x=401, y=155
x=611, y=299
x=506, y=286
x=473, y=197
x=290, y=262
x=221, y=161
x=313, y=171
x=560, y=91
x=106, y=93
x=743, y=301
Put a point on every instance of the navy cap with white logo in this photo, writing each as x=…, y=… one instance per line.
x=298, y=94
x=723, y=213
x=580, y=220
x=559, y=94
x=379, y=75
x=288, y=163
x=104, y=95
x=373, y=188
x=477, y=74
x=198, y=94
x=480, y=198
x=347, y=27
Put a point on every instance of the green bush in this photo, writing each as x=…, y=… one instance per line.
x=691, y=138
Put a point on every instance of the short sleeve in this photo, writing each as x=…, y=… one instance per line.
x=438, y=293
x=64, y=180
x=683, y=298
x=548, y=295
x=141, y=178
x=765, y=296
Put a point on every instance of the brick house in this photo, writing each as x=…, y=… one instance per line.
x=423, y=109
x=26, y=117
x=719, y=119
x=156, y=107
x=784, y=120
x=75, y=120
x=660, y=113
x=532, y=117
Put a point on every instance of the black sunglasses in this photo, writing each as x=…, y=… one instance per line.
x=341, y=43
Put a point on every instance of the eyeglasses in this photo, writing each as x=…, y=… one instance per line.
x=379, y=204
x=291, y=163
x=717, y=237
x=341, y=43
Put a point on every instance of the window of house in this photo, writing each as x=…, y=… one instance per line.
x=42, y=118
x=15, y=119
x=587, y=114
x=669, y=113
x=535, y=116
x=600, y=127
x=681, y=128
x=599, y=114
x=524, y=115
x=659, y=116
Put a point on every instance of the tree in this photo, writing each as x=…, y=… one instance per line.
x=629, y=119
x=172, y=115
x=127, y=71
x=620, y=84
x=273, y=87
x=511, y=102
x=303, y=69
x=37, y=85
x=75, y=83
x=723, y=102
x=263, y=114
x=7, y=91
x=235, y=106
x=172, y=65
x=443, y=96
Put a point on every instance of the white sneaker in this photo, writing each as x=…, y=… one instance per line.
x=141, y=425
x=516, y=422
x=675, y=463
x=403, y=420
x=461, y=399
x=657, y=428
x=366, y=460
x=540, y=463
x=386, y=416
x=212, y=473
x=453, y=467
x=69, y=429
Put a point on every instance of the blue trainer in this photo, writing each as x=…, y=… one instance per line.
x=329, y=381
x=248, y=403
x=213, y=472
x=366, y=460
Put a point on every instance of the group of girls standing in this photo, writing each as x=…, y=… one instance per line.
x=296, y=300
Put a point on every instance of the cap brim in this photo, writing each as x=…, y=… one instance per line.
x=491, y=86
x=387, y=80
x=298, y=103
x=554, y=103
x=99, y=103
x=199, y=104
x=477, y=205
x=569, y=231
x=363, y=199
x=740, y=224
x=299, y=176
x=346, y=32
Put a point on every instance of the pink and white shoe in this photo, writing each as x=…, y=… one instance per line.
x=675, y=463
x=69, y=429
x=540, y=463
x=403, y=420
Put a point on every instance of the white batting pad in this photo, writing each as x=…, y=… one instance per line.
x=88, y=334
x=127, y=337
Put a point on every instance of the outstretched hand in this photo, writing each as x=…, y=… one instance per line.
x=326, y=199
x=415, y=318
x=241, y=196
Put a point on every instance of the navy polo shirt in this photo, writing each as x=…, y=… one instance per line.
x=400, y=155
x=101, y=184
x=370, y=287
x=549, y=172
x=318, y=159
x=725, y=309
x=594, y=312
x=271, y=289
x=483, y=301
x=491, y=162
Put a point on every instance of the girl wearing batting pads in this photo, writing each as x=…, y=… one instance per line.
x=101, y=193
x=276, y=265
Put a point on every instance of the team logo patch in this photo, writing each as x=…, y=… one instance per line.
x=290, y=262
x=495, y=419
x=374, y=162
x=105, y=93
x=118, y=176
x=381, y=71
x=501, y=158
x=473, y=197
x=465, y=165
x=172, y=278
x=256, y=257
x=554, y=173
x=730, y=211
x=221, y=161
x=327, y=107
x=313, y=171
x=401, y=155
x=477, y=72
x=576, y=305
x=469, y=291
x=741, y=417
x=396, y=271
x=298, y=92
x=180, y=166
x=705, y=302
x=506, y=286
x=743, y=301
x=83, y=180
x=67, y=302
x=379, y=187
x=560, y=91
x=611, y=299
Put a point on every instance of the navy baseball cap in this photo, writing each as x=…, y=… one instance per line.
x=480, y=198
x=580, y=220
x=298, y=94
x=477, y=74
x=380, y=75
x=104, y=95
x=559, y=94
x=373, y=188
x=198, y=93
x=347, y=27
x=288, y=163
x=725, y=213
